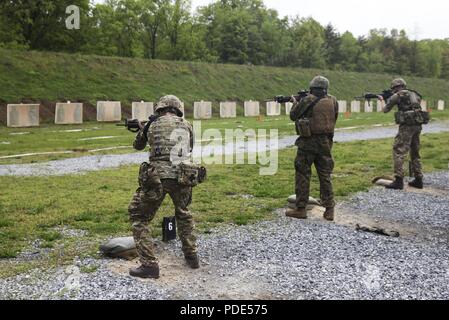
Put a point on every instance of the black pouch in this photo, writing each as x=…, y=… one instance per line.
x=303, y=128
x=425, y=117
x=191, y=174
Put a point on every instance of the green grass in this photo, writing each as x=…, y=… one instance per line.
x=55, y=138
x=33, y=207
x=59, y=76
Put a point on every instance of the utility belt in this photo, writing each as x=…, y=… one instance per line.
x=305, y=129
x=189, y=175
x=412, y=117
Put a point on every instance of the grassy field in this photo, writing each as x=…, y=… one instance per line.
x=57, y=76
x=36, y=207
x=81, y=138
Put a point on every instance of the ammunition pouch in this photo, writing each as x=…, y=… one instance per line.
x=412, y=117
x=149, y=178
x=191, y=174
x=303, y=128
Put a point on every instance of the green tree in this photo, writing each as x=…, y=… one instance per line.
x=308, y=39
x=40, y=24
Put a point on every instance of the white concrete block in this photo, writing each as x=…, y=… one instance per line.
x=142, y=110
x=252, y=108
x=369, y=106
x=109, y=111
x=288, y=107
x=440, y=105
x=380, y=105
x=424, y=105
x=202, y=110
x=273, y=108
x=355, y=106
x=342, y=106
x=69, y=113
x=228, y=109
x=22, y=115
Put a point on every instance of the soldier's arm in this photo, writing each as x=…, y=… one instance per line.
x=336, y=110
x=192, y=137
x=297, y=110
x=141, y=138
x=394, y=100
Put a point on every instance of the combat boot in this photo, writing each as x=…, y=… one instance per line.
x=398, y=184
x=329, y=214
x=300, y=213
x=145, y=271
x=417, y=183
x=193, y=261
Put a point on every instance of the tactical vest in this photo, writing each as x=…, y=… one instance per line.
x=169, y=140
x=322, y=119
x=408, y=100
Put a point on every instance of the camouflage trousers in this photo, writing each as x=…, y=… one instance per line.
x=315, y=150
x=143, y=208
x=407, y=141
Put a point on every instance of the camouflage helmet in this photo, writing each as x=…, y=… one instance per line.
x=319, y=82
x=399, y=82
x=169, y=101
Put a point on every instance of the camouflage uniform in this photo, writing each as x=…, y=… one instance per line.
x=317, y=150
x=408, y=137
x=164, y=137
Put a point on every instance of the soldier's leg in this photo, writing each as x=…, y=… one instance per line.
x=415, y=156
x=401, y=147
x=324, y=164
x=303, y=173
x=182, y=197
x=142, y=210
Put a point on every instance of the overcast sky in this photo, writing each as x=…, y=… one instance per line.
x=421, y=19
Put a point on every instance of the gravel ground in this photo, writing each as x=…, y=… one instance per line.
x=283, y=259
x=100, y=162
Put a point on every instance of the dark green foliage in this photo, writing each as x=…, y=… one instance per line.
x=237, y=31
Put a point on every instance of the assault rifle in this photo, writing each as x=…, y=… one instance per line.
x=283, y=99
x=133, y=124
x=386, y=94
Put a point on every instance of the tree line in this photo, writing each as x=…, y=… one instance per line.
x=226, y=31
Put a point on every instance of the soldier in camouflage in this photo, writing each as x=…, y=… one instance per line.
x=408, y=138
x=315, y=117
x=170, y=138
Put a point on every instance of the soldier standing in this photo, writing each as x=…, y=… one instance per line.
x=410, y=119
x=315, y=117
x=170, y=138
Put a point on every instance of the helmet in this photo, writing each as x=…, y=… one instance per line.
x=169, y=101
x=319, y=82
x=398, y=82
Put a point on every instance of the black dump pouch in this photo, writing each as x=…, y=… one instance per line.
x=191, y=174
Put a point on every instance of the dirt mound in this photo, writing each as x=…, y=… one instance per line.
x=47, y=110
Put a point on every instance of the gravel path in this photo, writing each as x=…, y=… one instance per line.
x=101, y=162
x=285, y=258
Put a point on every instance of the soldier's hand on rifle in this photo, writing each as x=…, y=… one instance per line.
x=141, y=125
x=380, y=98
x=293, y=99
